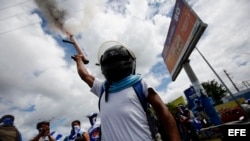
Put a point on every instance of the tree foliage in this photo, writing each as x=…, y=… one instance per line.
x=214, y=90
x=171, y=108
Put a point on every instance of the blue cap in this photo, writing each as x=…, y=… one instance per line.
x=7, y=119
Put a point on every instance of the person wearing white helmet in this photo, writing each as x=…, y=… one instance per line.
x=121, y=114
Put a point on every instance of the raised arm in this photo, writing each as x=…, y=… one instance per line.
x=165, y=117
x=82, y=71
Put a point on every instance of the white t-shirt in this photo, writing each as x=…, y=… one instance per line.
x=122, y=116
x=81, y=132
x=54, y=135
x=44, y=138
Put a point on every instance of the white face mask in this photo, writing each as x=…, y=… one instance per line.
x=77, y=128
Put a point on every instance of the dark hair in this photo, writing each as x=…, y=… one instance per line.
x=77, y=121
x=40, y=124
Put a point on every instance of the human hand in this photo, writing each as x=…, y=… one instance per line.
x=77, y=57
x=44, y=131
x=72, y=132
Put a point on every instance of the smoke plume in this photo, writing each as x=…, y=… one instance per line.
x=54, y=14
x=63, y=16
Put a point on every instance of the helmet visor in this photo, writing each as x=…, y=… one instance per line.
x=108, y=44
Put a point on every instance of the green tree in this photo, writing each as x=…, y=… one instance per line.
x=214, y=90
x=171, y=108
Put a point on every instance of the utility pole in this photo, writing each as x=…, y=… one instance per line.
x=231, y=81
x=231, y=94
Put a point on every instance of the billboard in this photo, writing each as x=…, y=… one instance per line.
x=184, y=32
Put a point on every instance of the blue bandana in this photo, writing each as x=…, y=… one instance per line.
x=123, y=84
x=7, y=121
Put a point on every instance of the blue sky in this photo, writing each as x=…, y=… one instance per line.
x=39, y=81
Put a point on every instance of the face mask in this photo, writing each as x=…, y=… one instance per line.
x=77, y=128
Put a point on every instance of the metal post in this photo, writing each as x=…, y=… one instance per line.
x=211, y=112
x=231, y=81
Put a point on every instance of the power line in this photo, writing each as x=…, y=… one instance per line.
x=26, y=12
x=13, y=5
x=34, y=23
x=14, y=15
x=242, y=52
x=18, y=28
x=18, y=14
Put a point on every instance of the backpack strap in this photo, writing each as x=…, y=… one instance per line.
x=139, y=92
x=151, y=118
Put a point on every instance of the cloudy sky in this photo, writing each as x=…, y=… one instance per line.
x=39, y=81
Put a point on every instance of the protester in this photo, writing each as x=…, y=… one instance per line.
x=200, y=114
x=8, y=131
x=198, y=107
x=121, y=113
x=94, y=130
x=77, y=133
x=43, y=128
x=188, y=123
x=179, y=124
x=92, y=118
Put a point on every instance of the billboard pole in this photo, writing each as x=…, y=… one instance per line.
x=202, y=95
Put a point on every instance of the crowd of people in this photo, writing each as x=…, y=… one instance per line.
x=184, y=121
x=121, y=113
x=9, y=132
